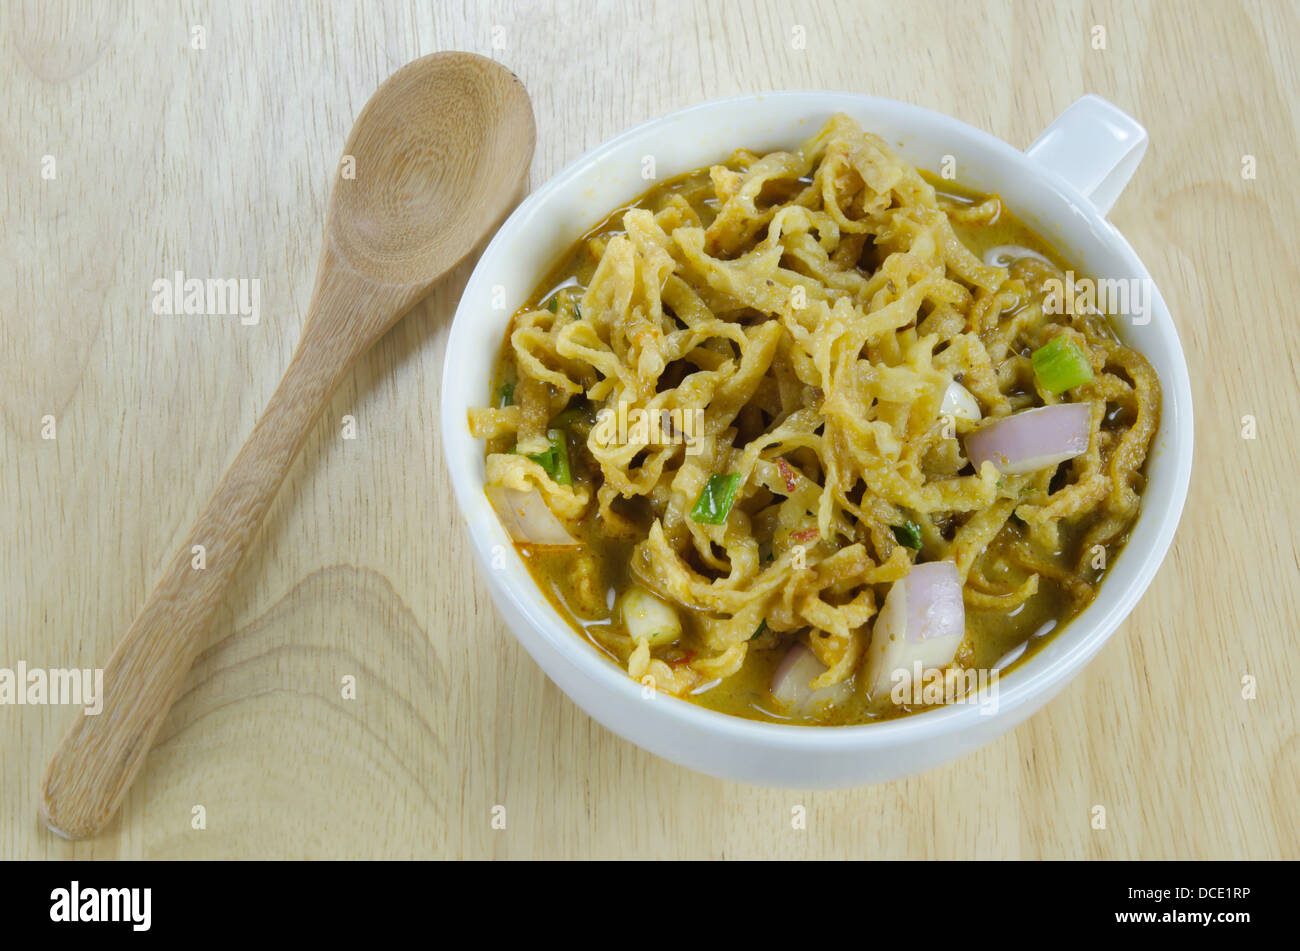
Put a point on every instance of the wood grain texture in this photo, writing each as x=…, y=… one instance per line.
x=429, y=168
x=218, y=162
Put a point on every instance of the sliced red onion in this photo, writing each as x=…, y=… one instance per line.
x=921, y=622
x=1032, y=439
x=527, y=518
x=791, y=684
x=959, y=403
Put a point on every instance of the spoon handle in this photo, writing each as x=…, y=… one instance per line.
x=95, y=764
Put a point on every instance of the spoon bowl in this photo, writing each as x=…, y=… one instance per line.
x=439, y=150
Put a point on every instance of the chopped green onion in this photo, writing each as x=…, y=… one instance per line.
x=577, y=311
x=506, y=395
x=553, y=304
x=762, y=626
x=908, y=534
x=556, y=459
x=714, y=503
x=1060, y=365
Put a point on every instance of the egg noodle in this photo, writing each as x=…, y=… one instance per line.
x=813, y=327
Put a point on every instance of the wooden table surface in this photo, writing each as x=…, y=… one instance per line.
x=216, y=161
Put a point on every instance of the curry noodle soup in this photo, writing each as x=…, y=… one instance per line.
x=785, y=433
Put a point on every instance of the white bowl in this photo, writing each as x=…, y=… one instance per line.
x=1062, y=187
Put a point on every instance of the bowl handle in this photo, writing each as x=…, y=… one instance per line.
x=1095, y=146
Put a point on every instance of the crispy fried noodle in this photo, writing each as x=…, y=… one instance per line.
x=800, y=321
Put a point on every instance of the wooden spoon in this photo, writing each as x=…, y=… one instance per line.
x=440, y=153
